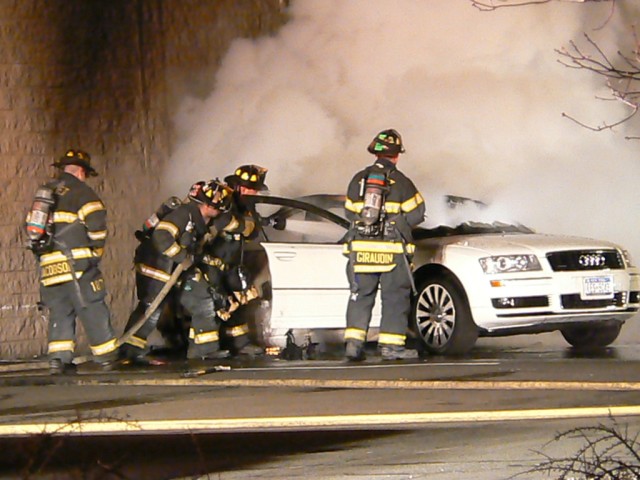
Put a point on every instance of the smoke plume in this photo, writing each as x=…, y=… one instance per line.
x=478, y=98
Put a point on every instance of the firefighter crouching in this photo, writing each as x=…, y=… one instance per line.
x=383, y=206
x=225, y=258
x=176, y=237
x=67, y=229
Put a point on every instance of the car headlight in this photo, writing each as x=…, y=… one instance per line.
x=510, y=263
x=627, y=258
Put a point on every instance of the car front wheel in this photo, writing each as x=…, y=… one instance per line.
x=596, y=335
x=442, y=317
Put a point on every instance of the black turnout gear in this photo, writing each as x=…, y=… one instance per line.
x=229, y=280
x=175, y=237
x=376, y=257
x=71, y=284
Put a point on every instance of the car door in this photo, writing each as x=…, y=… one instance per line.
x=307, y=269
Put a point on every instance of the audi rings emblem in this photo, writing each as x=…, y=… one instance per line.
x=592, y=260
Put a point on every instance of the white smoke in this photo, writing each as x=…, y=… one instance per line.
x=477, y=97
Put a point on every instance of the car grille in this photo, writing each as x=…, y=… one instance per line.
x=574, y=301
x=580, y=260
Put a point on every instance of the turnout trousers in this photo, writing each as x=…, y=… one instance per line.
x=195, y=297
x=204, y=334
x=395, y=289
x=84, y=300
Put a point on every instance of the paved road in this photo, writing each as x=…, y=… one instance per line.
x=477, y=417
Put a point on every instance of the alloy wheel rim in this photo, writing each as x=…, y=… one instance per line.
x=435, y=315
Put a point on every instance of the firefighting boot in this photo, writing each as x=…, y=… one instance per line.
x=209, y=351
x=354, y=351
x=250, y=350
x=58, y=367
x=396, y=352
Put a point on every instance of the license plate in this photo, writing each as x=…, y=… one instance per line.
x=595, y=288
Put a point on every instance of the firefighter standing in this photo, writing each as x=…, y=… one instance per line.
x=225, y=257
x=383, y=205
x=175, y=237
x=69, y=253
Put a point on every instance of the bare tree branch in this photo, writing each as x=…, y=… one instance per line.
x=621, y=71
x=489, y=5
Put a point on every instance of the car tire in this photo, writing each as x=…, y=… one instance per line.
x=592, y=335
x=441, y=316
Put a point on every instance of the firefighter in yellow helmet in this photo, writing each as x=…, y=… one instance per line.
x=383, y=206
x=69, y=249
x=225, y=255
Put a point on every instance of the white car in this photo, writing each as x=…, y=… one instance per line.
x=473, y=279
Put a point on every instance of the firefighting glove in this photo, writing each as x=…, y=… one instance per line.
x=245, y=296
x=225, y=313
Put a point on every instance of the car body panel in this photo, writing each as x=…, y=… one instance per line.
x=310, y=291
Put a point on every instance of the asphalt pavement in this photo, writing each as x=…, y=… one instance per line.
x=323, y=418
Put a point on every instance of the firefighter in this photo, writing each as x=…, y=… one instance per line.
x=69, y=254
x=227, y=271
x=177, y=236
x=383, y=206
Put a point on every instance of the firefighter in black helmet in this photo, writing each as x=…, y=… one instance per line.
x=71, y=284
x=225, y=254
x=175, y=237
x=383, y=206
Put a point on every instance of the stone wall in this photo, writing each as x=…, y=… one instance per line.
x=104, y=77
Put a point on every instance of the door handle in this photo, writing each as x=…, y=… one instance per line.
x=285, y=256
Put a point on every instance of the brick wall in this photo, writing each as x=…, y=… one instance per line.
x=104, y=77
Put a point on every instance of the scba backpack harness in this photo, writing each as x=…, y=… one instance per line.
x=374, y=187
x=39, y=223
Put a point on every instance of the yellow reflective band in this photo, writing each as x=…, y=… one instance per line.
x=104, y=348
x=355, y=334
x=392, y=207
x=100, y=235
x=89, y=208
x=154, y=273
x=355, y=207
x=239, y=330
x=412, y=203
x=206, y=337
x=213, y=262
x=173, y=250
x=233, y=224
x=169, y=227
x=55, y=280
x=249, y=226
x=376, y=246
x=58, y=256
x=64, y=217
x=373, y=268
x=391, y=339
x=61, y=346
x=137, y=342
